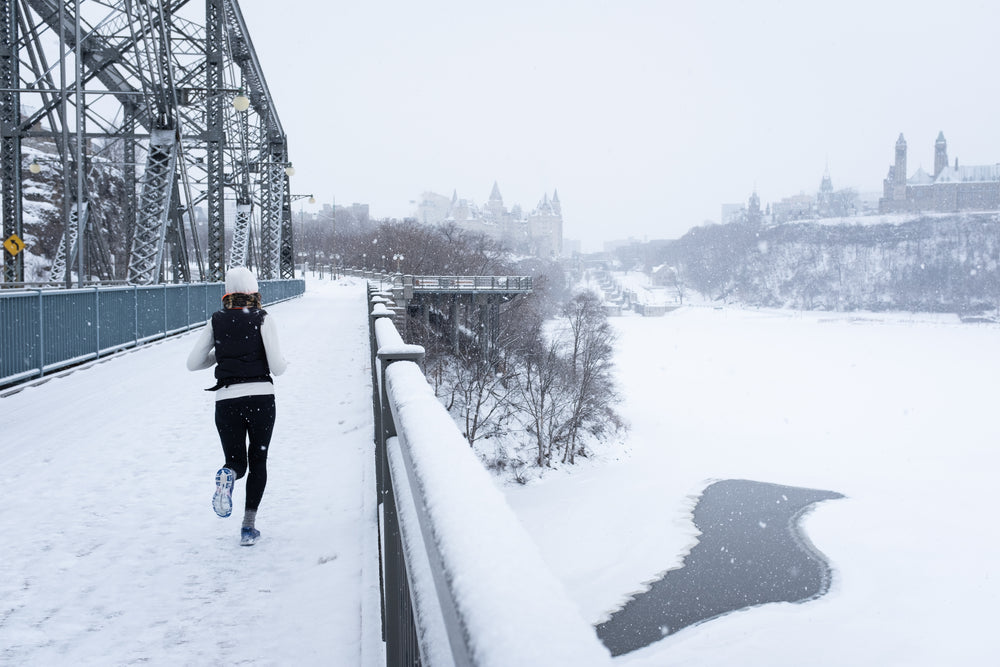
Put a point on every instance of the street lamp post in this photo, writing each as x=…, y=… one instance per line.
x=399, y=258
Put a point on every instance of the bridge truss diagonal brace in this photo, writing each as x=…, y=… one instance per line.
x=273, y=187
x=62, y=266
x=287, y=242
x=146, y=257
x=241, y=235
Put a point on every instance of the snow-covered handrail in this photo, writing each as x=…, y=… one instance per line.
x=479, y=590
x=443, y=284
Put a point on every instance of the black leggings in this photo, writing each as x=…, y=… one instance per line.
x=236, y=418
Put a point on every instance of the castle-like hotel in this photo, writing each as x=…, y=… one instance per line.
x=949, y=188
x=538, y=233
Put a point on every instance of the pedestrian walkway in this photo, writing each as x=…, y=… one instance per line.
x=110, y=553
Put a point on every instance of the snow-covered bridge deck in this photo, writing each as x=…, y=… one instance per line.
x=110, y=550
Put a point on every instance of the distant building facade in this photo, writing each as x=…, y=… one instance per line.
x=732, y=213
x=948, y=189
x=826, y=203
x=538, y=233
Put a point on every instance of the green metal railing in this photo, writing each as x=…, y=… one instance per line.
x=45, y=330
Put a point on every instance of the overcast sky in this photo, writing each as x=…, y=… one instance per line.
x=646, y=116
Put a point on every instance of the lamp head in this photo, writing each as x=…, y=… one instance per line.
x=241, y=102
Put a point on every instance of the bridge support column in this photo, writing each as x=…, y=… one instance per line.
x=453, y=316
x=488, y=325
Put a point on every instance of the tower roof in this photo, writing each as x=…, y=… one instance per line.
x=826, y=184
x=495, y=193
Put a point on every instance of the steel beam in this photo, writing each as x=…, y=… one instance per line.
x=10, y=140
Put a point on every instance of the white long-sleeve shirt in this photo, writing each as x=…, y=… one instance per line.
x=203, y=356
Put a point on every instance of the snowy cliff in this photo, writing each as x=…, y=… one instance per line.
x=940, y=264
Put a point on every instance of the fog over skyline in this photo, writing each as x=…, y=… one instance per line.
x=646, y=116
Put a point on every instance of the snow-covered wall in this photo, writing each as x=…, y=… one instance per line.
x=470, y=561
x=512, y=609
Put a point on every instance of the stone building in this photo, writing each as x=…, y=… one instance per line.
x=948, y=189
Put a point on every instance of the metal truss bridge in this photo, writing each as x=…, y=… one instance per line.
x=138, y=115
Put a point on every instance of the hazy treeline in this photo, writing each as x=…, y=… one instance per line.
x=943, y=264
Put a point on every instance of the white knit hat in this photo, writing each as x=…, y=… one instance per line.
x=240, y=280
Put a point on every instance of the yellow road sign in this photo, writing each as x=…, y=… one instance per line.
x=13, y=244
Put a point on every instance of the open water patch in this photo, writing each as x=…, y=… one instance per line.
x=751, y=551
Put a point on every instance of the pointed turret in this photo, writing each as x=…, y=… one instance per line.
x=544, y=207
x=826, y=185
x=900, y=172
x=494, y=209
x=495, y=193
x=940, y=154
x=556, y=206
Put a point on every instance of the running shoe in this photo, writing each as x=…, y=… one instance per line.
x=222, y=501
x=248, y=536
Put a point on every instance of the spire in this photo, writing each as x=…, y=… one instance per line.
x=826, y=185
x=495, y=194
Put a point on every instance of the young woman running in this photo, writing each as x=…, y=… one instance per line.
x=241, y=341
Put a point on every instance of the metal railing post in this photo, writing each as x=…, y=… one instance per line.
x=97, y=321
x=379, y=453
x=135, y=310
x=41, y=334
x=402, y=645
x=377, y=393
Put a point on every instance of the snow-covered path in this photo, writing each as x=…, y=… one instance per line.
x=110, y=552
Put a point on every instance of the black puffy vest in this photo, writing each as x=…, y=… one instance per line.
x=239, y=347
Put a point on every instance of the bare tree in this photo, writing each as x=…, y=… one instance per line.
x=591, y=384
x=541, y=400
x=481, y=398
